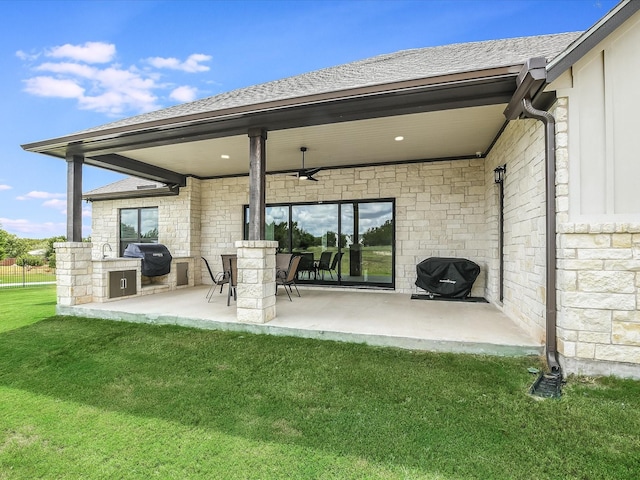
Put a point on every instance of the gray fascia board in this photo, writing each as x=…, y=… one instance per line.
x=155, y=192
x=598, y=32
x=121, y=164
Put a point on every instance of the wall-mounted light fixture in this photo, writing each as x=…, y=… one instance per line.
x=498, y=173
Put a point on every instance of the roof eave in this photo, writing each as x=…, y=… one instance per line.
x=58, y=147
x=589, y=39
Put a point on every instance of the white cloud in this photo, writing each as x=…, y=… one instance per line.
x=184, y=94
x=53, y=87
x=27, y=57
x=5, y=187
x=111, y=89
x=70, y=68
x=90, y=52
x=26, y=227
x=41, y=195
x=55, y=203
x=190, y=65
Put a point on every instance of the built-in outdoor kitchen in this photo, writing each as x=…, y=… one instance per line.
x=145, y=268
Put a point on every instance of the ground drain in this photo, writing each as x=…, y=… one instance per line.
x=547, y=385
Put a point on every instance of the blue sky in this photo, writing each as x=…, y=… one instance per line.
x=70, y=65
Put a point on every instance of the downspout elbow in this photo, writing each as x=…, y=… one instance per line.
x=551, y=256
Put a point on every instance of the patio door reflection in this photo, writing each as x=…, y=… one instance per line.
x=314, y=230
x=368, y=232
x=277, y=227
x=341, y=243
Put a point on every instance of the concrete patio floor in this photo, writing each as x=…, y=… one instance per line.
x=360, y=316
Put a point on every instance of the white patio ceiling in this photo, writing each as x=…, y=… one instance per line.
x=432, y=135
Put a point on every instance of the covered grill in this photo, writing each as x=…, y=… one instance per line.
x=447, y=277
x=156, y=259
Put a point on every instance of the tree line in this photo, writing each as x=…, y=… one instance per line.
x=12, y=246
x=375, y=236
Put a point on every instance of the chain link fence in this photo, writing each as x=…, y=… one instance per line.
x=16, y=274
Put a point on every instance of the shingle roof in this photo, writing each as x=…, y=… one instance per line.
x=129, y=184
x=383, y=69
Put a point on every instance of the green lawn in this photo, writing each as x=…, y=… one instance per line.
x=376, y=260
x=82, y=398
x=26, y=305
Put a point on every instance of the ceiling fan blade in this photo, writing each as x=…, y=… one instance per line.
x=306, y=173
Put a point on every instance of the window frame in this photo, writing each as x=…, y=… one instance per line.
x=122, y=243
x=339, y=203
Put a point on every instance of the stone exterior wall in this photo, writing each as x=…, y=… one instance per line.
x=598, y=283
x=440, y=210
x=176, y=229
x=521, y=148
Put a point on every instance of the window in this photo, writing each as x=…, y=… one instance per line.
x=355, y=237
x=138, y=225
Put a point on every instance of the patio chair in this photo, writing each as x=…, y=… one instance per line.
x=282, y=261
x=334, y=264
x=323, y=263
x=307, y=264
x=219, y=278
x=232, y=270
x=288, y=278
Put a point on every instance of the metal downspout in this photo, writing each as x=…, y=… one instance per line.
x=550, y=191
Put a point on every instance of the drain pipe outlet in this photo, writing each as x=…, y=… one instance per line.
x=550, y=190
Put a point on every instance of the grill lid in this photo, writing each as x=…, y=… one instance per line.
x=156, y=259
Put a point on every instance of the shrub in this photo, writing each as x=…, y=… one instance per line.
x=30, y=261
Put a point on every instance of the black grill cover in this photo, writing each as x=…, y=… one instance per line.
x=447, y=277
x=156, y=259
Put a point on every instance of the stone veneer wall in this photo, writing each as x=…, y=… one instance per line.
x=178, y=222
x=521, y=148
x=74, y=271
x=598, y=283
x=440, y=210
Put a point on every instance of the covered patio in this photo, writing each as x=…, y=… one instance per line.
x=402, y=146
x=361, y=316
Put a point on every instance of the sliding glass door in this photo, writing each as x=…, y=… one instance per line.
x=369, y=240
x=341, y=243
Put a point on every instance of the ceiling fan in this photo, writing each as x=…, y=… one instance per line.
x=306, y=173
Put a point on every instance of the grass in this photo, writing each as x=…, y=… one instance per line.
x=26, y=305
x=376, y=260
x=83, y=398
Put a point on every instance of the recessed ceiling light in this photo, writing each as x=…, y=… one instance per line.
x=399, y=138
x=224, y=156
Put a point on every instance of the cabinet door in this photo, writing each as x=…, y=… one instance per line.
x=182, y=274
x=122, y=283
x=115, y=289
x=129, y=284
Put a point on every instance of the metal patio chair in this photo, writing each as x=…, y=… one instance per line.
x=219, y=278
x=307, y=264
x=232, y=270
x=288, y=278
x=334, y=264
x=282, y=261
x=323, y=263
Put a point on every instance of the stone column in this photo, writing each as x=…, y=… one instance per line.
x=256, y=281
x=74, y=272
